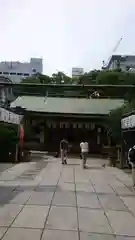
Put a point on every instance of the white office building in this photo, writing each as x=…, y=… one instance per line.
x=18, y=70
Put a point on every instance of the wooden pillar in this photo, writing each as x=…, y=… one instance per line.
x=109, y=140
x=98, y=136
x=3, y=96
x=46, y=132
x=16, y=154
x=42, y=136
x=122, y=158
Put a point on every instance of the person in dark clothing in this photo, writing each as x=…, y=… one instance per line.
x=131, y=160
x=64, y=150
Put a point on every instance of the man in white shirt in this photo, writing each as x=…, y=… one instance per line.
x=84, y=152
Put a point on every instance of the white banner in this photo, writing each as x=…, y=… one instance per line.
x=128, y=122
x=9, y=117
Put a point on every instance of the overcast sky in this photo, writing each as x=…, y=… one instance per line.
x=66, y=33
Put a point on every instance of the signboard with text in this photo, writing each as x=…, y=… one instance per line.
x=77, y=72
x=9, y=117
x=128, y=122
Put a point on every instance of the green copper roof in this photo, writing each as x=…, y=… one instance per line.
x=67, y=105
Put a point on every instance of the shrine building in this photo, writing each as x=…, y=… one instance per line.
x=50, y=119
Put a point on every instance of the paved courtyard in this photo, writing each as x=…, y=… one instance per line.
x=43, y=200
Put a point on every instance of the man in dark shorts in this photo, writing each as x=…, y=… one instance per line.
x=63, y=150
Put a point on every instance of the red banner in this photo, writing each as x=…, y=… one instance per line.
x=21, y=135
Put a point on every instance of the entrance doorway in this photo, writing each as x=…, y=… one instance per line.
x=74, y=136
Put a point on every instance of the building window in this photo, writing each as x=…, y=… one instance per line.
x=26, y=74
x=34, y=70
x=6, y=73
x=20, y=74
x=12, y=73
x=0, y=72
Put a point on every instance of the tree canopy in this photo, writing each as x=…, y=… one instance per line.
x=94, y=77
x=107, y=77
x=56, y=78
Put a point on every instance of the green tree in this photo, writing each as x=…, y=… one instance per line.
x=114, y=123
x=109, y=77
x=57, y=78
x=8, y=140
x=61, y=78
x=44, y=79
x=37, y=79
x=128, y=78
x=89, y=78
x=30, y=80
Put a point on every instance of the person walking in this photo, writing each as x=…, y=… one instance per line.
x=84, y=152
x=131, y=160
x=63, y=151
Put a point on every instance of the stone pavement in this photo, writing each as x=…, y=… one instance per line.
x=44, y=200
